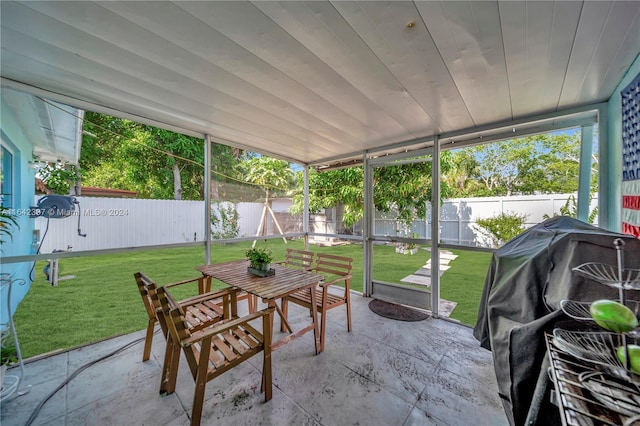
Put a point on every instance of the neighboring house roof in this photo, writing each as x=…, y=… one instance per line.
x=89, y=191
x=92, y=191
x=41, y=187
x=55, y=130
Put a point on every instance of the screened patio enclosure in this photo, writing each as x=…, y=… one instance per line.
x=335, y=84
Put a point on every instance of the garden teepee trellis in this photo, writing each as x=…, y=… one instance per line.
x=263, y=221
x=268, y=173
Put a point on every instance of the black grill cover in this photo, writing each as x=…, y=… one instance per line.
x=526, y=280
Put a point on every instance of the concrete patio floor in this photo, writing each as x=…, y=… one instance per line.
x=385, y=372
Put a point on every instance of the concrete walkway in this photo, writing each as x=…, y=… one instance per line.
x=423, y=277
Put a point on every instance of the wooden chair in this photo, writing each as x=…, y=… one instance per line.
x=299, y=259
x=199, y=314
x=213, y=350
x=336, y=269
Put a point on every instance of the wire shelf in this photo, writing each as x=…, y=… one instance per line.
x=625, y=279
x=580, y=311
x=597, y=347
x=614, y=394
x=576, y=310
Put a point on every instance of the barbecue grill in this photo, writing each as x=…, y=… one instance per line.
x=541, y=284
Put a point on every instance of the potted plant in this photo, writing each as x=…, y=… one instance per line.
x=408, y=248
x=260, y=261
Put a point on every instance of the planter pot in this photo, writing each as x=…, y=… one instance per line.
x=260, y=266
x=262, y=272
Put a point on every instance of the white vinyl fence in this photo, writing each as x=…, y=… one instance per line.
x=124, y=222
x=458, y=216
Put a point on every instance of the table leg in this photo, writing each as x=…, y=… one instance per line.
x=234, y=304
x=283, y=318
x=311, y=326
x=204, y=284
x=271, y=303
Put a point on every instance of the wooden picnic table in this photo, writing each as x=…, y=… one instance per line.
x=269, y=289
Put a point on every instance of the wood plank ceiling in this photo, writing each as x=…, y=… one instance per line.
x=317, y=81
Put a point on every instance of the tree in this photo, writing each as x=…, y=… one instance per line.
x=404, y=188
x=502, y=165
x=333, y=188
x=272, y=175
x=183, y=160
x=155, y=163
x=560, y=163
x=59, y=177
x=462, y=176
x=224, y=160
x=545, y=163
x=117, y=153
x=269, y=173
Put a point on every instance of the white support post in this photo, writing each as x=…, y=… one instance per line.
x=305, y=214
x=207, y=199
x=435, y=228
x=367, y=231
x=584, y=175
x=609, y=175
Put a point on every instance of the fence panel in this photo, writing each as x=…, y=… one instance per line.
x=126, y=222
x=458, y=216
x=122, y=222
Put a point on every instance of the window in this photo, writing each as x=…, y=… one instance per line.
x=6, y=178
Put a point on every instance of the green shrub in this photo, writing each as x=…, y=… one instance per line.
x=570, y=208
x=60, y=177
x=225, y=222
x=503, y=227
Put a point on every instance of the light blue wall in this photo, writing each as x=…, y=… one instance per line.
x=613, y=166
x=17, y=142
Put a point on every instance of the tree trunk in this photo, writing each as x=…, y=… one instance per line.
x=78, y=183
x=264, y=217
x=177, y=184
x=215, y=187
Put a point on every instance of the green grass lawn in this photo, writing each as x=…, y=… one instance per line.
x=103, y=300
